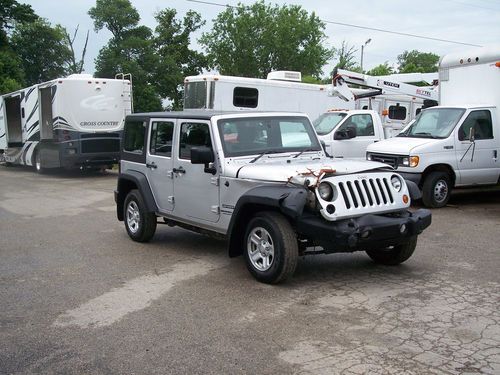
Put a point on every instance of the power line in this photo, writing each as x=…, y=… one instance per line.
x=360, y=27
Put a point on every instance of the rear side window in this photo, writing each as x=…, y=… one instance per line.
x=247, y=97
x=397, y=112
x=133, y=139
x=161, y=138
x=481, y=121
x=193, y=134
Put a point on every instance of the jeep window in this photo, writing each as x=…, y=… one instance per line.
x=481, y=122
x=325, y=123
x=161, y=138
x=133, y=139
x=195, y=95
x=362, y=123
x=193, y=134
x=434, y=123
x=247, y=97
x=397, y=112
x=251, y=136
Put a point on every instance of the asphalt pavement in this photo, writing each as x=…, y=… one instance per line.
x=77, y=296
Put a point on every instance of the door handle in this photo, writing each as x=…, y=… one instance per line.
x=179, y=170
x=151, y=165
x=495, y=154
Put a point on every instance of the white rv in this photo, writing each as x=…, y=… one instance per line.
x=458, y=142
x=281, y=91
x=72, y=122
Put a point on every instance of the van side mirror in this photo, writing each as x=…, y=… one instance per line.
x=348, y=133
x=472, y=132
x=203, y=155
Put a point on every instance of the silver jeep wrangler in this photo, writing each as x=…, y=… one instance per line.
x=263, y=182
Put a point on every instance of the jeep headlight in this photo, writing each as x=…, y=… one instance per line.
x=325, y=191
x=410, y=161
x=396, y=182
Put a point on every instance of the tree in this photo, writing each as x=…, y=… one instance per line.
x=418, y=62
x=252, y=41
x=11, y=12
x=381, y=70
x=42, y=49
x=11, y=75
x=345, y=57
x=118, y=16
x=76, y=67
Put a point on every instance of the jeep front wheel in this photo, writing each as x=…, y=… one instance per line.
x=394, y=255
x=271, y=248
x=139, y=222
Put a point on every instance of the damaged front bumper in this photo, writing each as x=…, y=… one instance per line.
x=366, y=232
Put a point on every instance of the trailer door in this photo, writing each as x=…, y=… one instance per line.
x=46, y=124
x=3, y=133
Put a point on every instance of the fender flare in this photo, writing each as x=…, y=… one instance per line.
x=289, y=200
x=414, y=190
x=133, y=180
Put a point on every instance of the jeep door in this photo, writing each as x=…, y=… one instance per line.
x=159, y=162
x=478, y=161
x=196, y=192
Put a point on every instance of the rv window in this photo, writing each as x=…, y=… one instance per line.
x=133, y=139
x=193, y=135
x=481, y=121
x=397, y=112
x=362, y=123
x=195, y=95
x=161, y=138
x=245, y=97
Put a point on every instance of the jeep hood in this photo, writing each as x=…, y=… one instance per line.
x=399, y=145
x=281, y=171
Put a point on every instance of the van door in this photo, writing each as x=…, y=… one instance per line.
x=3, y=126
x=159, y=162
x=366, y=134
x=196, y=192
x=46, y=122
x=478, y=161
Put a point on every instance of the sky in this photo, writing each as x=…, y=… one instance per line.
x=467, y=21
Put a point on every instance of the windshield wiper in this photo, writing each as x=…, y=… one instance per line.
x=261, y=155
x=306, y=150
x=425, y=135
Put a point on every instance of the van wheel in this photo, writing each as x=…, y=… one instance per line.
x=37, y=163
x=436, y=190
x=394, y=255
x=271, y=248
x=139, y=222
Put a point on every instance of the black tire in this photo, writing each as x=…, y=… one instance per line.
x=139, y=222
x=436, y=190
x=283, y=241
x=394, y=255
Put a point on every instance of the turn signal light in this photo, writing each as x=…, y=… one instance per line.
x=405, y=199
x=414, y=161
x=385, y=112
x=497, y=64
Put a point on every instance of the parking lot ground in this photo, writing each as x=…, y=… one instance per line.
x=78, y=296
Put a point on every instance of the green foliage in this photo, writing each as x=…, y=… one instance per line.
x=311, y=79
x=11, y=75
x=43, y=50
x=158, y=61
x=252, y=41
x=117, y=16
x=418, y=62
x=381, y=70
x=12, y=12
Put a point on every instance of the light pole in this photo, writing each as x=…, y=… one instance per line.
x=362, y=51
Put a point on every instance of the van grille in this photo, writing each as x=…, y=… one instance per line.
x=392, y=160
x=366, y=192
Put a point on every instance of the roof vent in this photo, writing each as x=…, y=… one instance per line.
x=285, y=75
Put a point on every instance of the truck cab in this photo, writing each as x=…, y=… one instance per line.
x=456, y=144
x=347, y=133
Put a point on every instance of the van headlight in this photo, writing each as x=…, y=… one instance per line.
x=396, y=182
x=410, y=161
x=325, y=191
x=368, y=156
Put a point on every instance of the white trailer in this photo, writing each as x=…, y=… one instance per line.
x=281, y=91
x=71, y=122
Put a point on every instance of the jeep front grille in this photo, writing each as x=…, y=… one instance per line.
x=366, y=192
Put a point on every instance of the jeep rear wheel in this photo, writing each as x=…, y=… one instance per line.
x=271, y=248
x=139, y=222
x=394, y=255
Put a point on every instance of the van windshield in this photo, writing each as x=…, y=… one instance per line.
x=325, y=123
x=434, y=123
x=267, y=135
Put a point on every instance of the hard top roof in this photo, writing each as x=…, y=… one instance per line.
x=204, y=114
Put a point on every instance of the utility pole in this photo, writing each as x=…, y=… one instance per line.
x=362, y=51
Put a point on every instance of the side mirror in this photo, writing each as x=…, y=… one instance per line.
x=348, y=133
x=203, y=155
x=323, y=146
x=472, y=132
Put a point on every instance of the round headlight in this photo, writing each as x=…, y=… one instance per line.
x=396, y=183
x=325, y=191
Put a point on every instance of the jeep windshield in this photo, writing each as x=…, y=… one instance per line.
x=434, y=123
x=325, y=123
x=267, y=135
